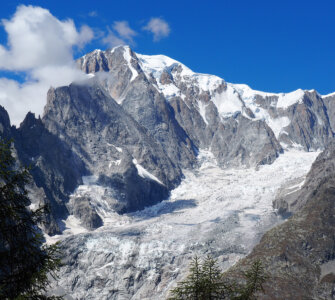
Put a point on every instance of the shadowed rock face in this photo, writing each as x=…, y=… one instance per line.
x=330, y=105
x=141, y=100
x=299, y=254
x=82, y=209
x=84, y=132
x=55, y=169
x=109, y=141
x=5, y=128
x=309, y=125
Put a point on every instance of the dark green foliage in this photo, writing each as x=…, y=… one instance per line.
x=255, y=277
x=206, y=282
x=24, y=261
x=203, y=282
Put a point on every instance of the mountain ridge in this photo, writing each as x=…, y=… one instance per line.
x=177, y=112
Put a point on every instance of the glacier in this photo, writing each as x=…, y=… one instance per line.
x=141, y=255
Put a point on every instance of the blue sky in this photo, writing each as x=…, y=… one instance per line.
x=275, y=46
x=270, y=45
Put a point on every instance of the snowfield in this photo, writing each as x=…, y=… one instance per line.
x=143, y=254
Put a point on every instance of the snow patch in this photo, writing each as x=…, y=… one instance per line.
x=127, y=56
x=208, y=82
x=202, y=111
x=287, y=100
x=228, y=102
x=117, y=148
x=72, y=227
x=329, y=95
x=157, y=64
x=277, y=124
x=114, y=163
x=294, y=188
x=169, y=90
x=246, y=92
x=144, y=173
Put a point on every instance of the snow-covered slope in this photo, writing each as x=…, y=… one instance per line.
x=230, y=100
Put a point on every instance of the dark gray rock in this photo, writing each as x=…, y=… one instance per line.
x=309, y=124
x=329, y=102
x=82, y=209
x=54, y=167
x=108, y=140
x=148, y=107
x=5, y=127
x=242, y=140
x=131, y=88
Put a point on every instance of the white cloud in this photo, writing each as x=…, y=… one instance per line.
x=112, y=40
x=124, y=30
x=85, y=35
x=158, y=27
x=41, y=46
x=120, y=34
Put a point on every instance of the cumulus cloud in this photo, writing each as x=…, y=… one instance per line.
x=85, y=36
x=120, y=34
x=124, y=30
x=41, y=46
x=158, y=27
x=112, y=40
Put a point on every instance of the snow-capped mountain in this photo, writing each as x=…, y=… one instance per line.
x=145, y=129
x=192, y=95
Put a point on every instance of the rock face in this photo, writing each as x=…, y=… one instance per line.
x=182, y=110
x=55, y=169
x=115, y=148
x=82, y=209
x=329, y=101
x=299, y=255
x=5, y=127
x=129, y=86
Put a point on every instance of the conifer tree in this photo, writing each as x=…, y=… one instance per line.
x=205, y=281
x=25, y=263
